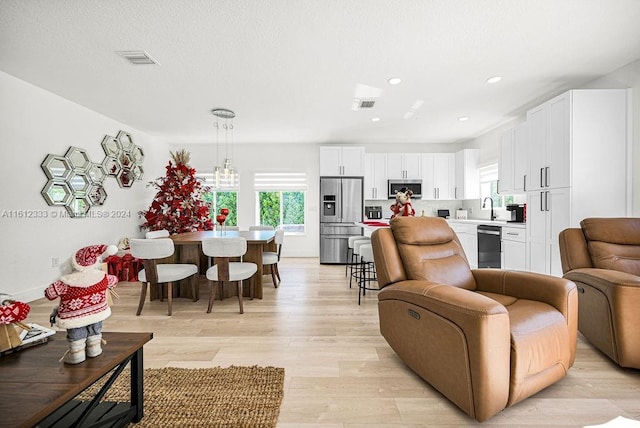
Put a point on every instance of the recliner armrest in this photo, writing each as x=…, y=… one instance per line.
x=603, y=279
x=557, y=292
x=442, y=299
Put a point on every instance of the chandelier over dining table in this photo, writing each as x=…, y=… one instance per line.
x=225, y=176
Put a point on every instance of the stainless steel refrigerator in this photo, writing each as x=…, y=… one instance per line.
x=341, y=201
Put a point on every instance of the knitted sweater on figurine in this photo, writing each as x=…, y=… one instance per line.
x=83, y=301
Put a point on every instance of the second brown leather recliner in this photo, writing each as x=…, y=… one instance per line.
x=485, y=338
x=603, y=258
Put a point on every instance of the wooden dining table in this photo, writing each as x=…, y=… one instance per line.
x=189, y=250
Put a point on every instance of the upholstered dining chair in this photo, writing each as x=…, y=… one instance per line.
x=162, y=233
x=150, y=251
x=224, y=270
x=261, y=227
x=271, y=258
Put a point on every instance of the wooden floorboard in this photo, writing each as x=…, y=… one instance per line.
x=339, y=371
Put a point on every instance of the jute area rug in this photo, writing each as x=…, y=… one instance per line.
x=214, y=397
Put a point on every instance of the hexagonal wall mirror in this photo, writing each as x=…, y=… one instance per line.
x=97, y=195
x=111, y=166
x=57, y=167
x=79, y=182
x=57, y=193
x=79, y=205
x=125, y=141
x=125, y=178
x=97, y=173
x=111, y=146
x=78, y=158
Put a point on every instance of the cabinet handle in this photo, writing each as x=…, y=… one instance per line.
x=455, y=193
x=546, y=201
x=498, y=186
x=546, y=176
x=438, y=193
x=434, y=193
x=541, y=201
x=541, y=185
x=524, y=184
x=512, y=233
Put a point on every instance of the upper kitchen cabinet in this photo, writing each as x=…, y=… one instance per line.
x=513, y=167
x=505, y=165
x=375, y=176
x=549, y=151
x=403, y=166
x=583, y=138
x=467, y=176
x=438, y=175
x=341, y=161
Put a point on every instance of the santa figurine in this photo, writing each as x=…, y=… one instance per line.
x=83, y=302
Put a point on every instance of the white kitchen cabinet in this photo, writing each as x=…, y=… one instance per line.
x=520, y=158
x=590, y=135
x=506, y=162
x=468, y=237
x=548, y=214
x=514, y=250
x=550, y=148
x=375, y=176
x=467, y=175
x=404, y=166
x=341, y=161
x=513, y=167
x=438, y=176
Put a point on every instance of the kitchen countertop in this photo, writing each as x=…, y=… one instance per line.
x=502, y=223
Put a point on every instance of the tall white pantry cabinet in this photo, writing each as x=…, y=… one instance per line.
x=578, y=157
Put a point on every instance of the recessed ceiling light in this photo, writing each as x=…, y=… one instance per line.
x=494, y=79
x=463, y=118
x=394, y=81
x=375, y=119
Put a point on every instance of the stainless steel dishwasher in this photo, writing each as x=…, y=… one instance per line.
x=489, y=246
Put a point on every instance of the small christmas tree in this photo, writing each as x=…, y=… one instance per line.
x=178, y=206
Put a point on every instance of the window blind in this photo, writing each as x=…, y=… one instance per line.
x=489, y=173
x=279, y=181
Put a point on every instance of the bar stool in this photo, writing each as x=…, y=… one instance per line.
x=367, y=270
x=350, y=256
x=355, y=265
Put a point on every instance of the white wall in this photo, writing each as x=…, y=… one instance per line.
x=34, y=123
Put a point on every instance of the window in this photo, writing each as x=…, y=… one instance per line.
x=489, y=188
x=280, y=200
x=218, y=199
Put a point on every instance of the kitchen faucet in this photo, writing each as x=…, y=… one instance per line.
x=484, y=205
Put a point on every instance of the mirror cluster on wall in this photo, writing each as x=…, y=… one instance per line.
x=76, y=183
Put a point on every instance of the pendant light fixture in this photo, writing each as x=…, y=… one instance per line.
x=225, y=176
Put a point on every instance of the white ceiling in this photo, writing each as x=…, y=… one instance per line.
x=290, y=68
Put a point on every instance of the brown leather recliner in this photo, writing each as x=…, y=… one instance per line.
x=603, y=258
x=485, y=338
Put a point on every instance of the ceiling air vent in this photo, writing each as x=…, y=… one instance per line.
x=367, y=103
x=137, y=57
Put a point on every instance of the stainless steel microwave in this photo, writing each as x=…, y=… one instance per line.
x=396, y=186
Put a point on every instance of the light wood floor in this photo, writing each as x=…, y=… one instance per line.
x=340, y=372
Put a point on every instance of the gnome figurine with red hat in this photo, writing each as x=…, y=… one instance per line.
x=83, y=302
